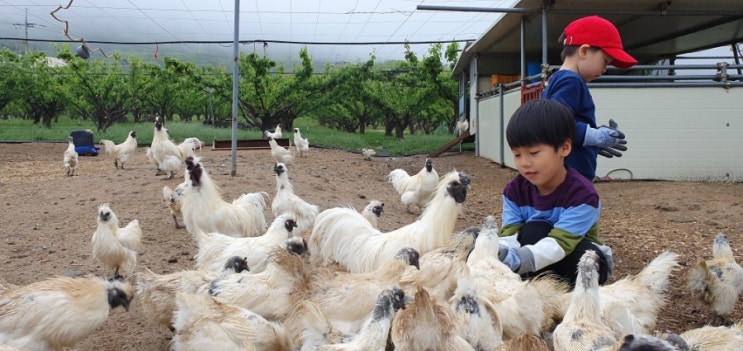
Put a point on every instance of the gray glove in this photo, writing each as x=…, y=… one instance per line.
x=519, y=260
x=619, y=147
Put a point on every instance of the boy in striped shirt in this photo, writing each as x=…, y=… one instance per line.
x=550, y=211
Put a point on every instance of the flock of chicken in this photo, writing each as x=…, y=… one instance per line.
x=329, y=279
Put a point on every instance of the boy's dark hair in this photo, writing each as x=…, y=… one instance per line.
x=541, y=121
x=569, y=50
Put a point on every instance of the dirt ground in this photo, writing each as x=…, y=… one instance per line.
x=47, y=219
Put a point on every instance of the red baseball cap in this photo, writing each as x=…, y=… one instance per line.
x=600, y=33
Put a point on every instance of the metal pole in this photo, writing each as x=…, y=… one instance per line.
x=522, y=28
x=544, y=44
x=235, y=82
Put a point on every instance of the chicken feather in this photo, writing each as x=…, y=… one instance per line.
x=70, y=158
x=302, y=144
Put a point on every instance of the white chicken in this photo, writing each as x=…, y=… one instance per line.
x=523, y=306
x=711, y=338
x=56, y=313
x=115, y=247
x=166, y=154
x=286, y=201
x=215, y=248
x=427, y=324
x=279, y=153
x=347, y=299
x=631, y=305
x=122, y=152
x=172, y=198
x=204, y=209
x=156, y=292
x=373, y=334
x=416, y=189
x=271, y=293
x=372, y=211
x=275, y=134
x=343, y=235
x=70, y=158
x=368, y=153
x=302, y=144
x=481, y=324
x=582, y=327
x=203, y=322
x=717, y=282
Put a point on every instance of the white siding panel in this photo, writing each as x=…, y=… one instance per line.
x=675, y=133
x=672, y=133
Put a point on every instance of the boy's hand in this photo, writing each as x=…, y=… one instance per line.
x=519, y=260
x=613, y=151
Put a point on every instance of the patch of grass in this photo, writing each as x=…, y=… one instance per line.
x=14, y=129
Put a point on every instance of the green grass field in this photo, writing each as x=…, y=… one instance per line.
x=14, y=129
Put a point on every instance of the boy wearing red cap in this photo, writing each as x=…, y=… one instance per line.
x=590, y=44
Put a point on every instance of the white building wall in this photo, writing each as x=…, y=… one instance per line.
x=672, y=133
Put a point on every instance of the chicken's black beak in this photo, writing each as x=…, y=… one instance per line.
x=290, y=224
x=237, y=264
x=458, y=190
x=469, y=305
x=378, y=210
x=429, y=165
x=104, y=216
x=133, y=134
x=117, y=297
x=278, y=169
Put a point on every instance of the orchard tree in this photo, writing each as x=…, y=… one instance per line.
x=97, y=89
x=37, y=88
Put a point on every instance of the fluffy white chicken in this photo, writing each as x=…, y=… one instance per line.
x=271, y=293
x=416, y=189
x=368, y=153
x=122, y=152
x=166, y=154
x=275, y=134
x=57, y=313
x=279, y=153
x=462, y=126
x=172, y=198
x=156, y=292
x=70, y=158
x=523, y=306
x=372, y=211
x=204, y=209
x=427, y=324
x=481, y=325
x=440, y=268
x=582, y=327
x=302, y=144
x=717, y=282
x=631, y=305
x=343, y=235
x=215, y=248
x=711, y=338
x=203, y=322
x=347, y=299
x=114, y=247
x=286, y=201
x=373, y=334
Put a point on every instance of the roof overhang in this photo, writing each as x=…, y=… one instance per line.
x=650, y=30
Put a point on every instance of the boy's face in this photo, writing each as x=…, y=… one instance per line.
x=592, y=63
x=542, y=165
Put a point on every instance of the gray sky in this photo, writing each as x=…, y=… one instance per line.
x=328, y=21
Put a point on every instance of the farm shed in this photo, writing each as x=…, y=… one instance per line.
x=683, y=121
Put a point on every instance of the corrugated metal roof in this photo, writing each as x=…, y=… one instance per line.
x=650, y=30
